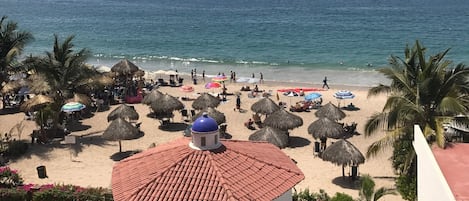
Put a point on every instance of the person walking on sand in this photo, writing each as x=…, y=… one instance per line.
x=325, y=83
x=203, y=75
x=261, y=80
x=238, y=104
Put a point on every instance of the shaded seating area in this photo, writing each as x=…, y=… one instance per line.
x=161, y=82
x=249, y=124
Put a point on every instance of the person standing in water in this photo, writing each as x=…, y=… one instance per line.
x=325, y=83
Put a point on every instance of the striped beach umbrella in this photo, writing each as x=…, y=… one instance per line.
x=73, y=107
x=220, y=78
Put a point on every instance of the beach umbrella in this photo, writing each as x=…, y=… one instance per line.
x=119, y=129
x=330, y=111
x=283, y=120
x=213, y=113
x=343, y=153
x=265, y=106
x=36, y=102
x=272, y=135
x=220, y=78
x=326, y=128
x=312, y=96
x=73, y=107
x=123, y=111
x=154, y=95
x=205, y=100
x=343, y=94
x=81, y=98
x=103, y=69
x=124, y=67
x=166, y=104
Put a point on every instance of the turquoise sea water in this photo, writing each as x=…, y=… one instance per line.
x=288, y=40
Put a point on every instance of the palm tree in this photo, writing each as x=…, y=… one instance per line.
x=422, y=92
x=368, y=192
x=64, y=68
x=12, y=42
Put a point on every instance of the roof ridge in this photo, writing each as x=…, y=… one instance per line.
x=223, y=181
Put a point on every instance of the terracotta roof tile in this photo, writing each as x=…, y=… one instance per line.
x=239, y=170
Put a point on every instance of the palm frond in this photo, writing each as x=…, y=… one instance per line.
x=380, y=192
x=383, y=143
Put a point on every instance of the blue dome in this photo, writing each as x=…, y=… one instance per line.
x=204, y=124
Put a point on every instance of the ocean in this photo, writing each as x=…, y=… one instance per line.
x=286, y=40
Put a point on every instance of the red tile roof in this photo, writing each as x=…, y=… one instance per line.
x=239, y=170
x=454, y=163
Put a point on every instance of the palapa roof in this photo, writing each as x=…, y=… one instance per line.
x=213, y=113
x=265, y=106
x=274, y=136
x=153, y=96
x=326, y=128
x=123, y=111
x=330, y=111
x=343, y=152
x=120, y=129
x=166, y=104
x=239, y=170
x=283, y=120
x=205, y=100
x=125, y=67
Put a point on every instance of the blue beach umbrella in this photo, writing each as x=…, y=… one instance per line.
x=312, y=96
x=73, y=107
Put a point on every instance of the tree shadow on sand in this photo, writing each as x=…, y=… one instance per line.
x=77, y=126
x=6, y=111
x=295, y=141
x=173, y=127
x=347, y=182
x=118, y=156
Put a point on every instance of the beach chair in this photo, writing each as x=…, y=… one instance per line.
x=257, y=120
x=192, y=113
x=184, y=114
x=317, y=149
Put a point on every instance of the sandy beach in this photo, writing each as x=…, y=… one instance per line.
x=88, y=163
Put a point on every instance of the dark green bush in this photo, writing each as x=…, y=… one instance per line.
x=342, y=197
x=13, y=194
x=305, y=195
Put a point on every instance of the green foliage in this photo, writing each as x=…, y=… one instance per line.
x=305, y=195
x=342, y=197
x=12, y=194
x=368, y=192
x=407, y=187
x=423, y=91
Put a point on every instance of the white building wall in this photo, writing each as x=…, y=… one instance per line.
x=287, y=196
x=431, y=184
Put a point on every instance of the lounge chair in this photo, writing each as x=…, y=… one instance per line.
x=222, y=130
x=185, y=114
x=257, y=120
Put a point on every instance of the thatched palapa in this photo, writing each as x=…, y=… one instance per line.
x=123, y=111
x=272, y=135
x=283, y=120
x=205, y=100
x=330, y=111
x=36, y=102
x=153, y=96
x=119, y=129
x=265, y=106
x=125, y=67
x=213, y=113
x=166, y=104
x=326, y=128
